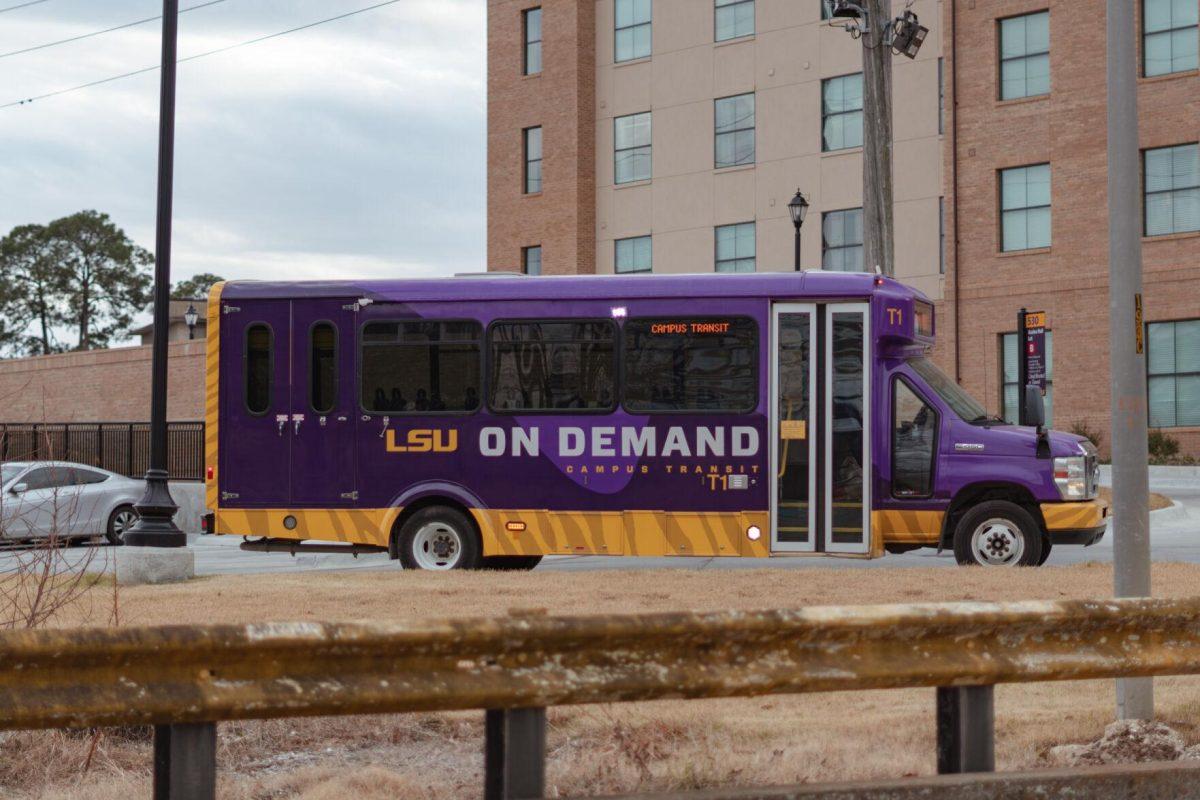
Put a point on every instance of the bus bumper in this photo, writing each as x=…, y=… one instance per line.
x=1081, y=522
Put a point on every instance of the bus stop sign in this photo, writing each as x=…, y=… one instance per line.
x=1035, y=349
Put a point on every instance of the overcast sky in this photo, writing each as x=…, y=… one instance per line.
x=355, y=148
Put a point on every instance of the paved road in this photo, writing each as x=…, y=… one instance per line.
x=1175, y=536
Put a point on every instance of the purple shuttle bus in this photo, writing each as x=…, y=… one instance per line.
x=488, y=421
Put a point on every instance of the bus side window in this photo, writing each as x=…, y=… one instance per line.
x=322, y=367
x=258, y=358
x=421, y=367
x=914, y=434
x=566, y=366
x=690, y=364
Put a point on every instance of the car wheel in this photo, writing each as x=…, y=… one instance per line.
x=998, y=533
x=1046, y=548
x=119, y=522
x=439, y=538
x=511, y=563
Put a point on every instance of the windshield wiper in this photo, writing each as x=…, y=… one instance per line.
x=984, y=419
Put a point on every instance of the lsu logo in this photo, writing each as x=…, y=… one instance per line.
x=424, y=440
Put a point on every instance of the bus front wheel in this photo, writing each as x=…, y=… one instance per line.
x=511, y=563
x=439, y=538
x=998, y=533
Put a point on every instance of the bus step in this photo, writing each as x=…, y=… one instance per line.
x=293, y=546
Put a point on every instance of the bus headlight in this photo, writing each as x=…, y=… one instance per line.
x=1070, y=475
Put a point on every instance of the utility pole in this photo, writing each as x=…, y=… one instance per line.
x=1127, y=359
x=878, y=237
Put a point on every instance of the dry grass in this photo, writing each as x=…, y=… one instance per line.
x=593, y=749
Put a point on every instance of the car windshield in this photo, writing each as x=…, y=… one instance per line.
x=9, y=471
x=953, y=395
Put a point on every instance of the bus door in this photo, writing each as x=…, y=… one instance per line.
x=820, y=417
x=321, y=420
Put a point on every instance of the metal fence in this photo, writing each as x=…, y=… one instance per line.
x=122, y=447
x=183, y=679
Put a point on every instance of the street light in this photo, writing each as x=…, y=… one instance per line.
x=798, y=208
x=191, y=317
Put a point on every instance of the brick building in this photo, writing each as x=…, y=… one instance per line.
x=669, y=135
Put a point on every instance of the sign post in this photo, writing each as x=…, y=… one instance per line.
x=1031, y=357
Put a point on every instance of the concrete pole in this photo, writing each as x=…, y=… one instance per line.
x=1127, y=360
x=878, y=238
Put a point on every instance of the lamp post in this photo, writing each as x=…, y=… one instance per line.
x=190, y=317
x=798, y=208
x=155, y=526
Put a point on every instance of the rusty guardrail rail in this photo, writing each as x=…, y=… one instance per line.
x=182, y=679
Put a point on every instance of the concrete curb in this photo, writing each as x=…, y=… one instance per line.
x=1176, y=512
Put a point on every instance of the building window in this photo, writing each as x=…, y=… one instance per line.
x=531, y=260
x=734, y=18
x=941, y=236
x=633, y=255
x=734, y=130
x=1169, y=40
x=1173, y=373
x=841, y=112
x=533, y=159
x=1025, y=207
x=553, y=366
x=632, y=29
x=1011, y=378
x=1025, y=56
x=1171, y=182
x=690, y=364
x=531, y=22
x=421, y=367
x=842, y=240
x=941, y=98
x=735, y=247
x=826, y=9
x=631, y=148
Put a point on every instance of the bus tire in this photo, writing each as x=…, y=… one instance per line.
x=1046, y=547
x=511, y=563
x=998, y=533
x=439, y=538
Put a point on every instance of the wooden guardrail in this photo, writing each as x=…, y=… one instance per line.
x=183, y=679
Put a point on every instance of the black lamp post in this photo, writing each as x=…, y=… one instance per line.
x=155, y=526
x=191, y=317
x=798, y=208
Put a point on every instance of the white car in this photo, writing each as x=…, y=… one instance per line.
x=43, y=499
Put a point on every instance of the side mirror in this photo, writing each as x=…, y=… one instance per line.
x=18, y=488
x=1035, y=407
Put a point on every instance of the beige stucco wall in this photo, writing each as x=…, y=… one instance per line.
x=783, y=64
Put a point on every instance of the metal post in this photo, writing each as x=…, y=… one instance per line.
x=1022, y=368
x=966, y=729
x=878, y=238
x=1127, y=360
x=514, y=754
x=155, y=526
x=797, y=264
x=185, y=761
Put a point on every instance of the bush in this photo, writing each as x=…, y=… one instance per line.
x=1081, y=428
x=1164, y=448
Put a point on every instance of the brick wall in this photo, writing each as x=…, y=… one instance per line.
x=561, y=218
x=1069, y=280
x=100, y=386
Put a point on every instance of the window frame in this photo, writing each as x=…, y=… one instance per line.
x=718, y=134
x=337, y=372
x=552, y=412
x=937, y=432
x=861, y=245
x=1146, y=193
x=719, y=4
x=1146, y=336
x=526, y=161
x=617, y=29
x=757, y=362
x=633, y=271
x=1000, y=59
x=1144, y=34
x=362, y=343
x=617, y=151
x=824, y=116
x=525, y=260
x=717, y=261
x=246, y=368
x=526, y=41
x=1001, y=209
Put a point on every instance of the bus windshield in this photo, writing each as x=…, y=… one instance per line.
x=961, y=403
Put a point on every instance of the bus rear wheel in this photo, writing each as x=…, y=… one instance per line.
x=998, y=533
x=511, y=563
x=439, y=538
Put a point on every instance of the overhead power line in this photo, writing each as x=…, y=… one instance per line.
x=21, y=5
x=106, y=30
x=225, y=49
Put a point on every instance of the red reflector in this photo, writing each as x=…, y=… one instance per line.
x=204, y=523
x=208, y=473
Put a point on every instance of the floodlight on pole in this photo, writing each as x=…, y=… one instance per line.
x=908, y=34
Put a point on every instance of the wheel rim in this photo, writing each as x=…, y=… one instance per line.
x=122, y=522
x=998, y=542
x=437, y=546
